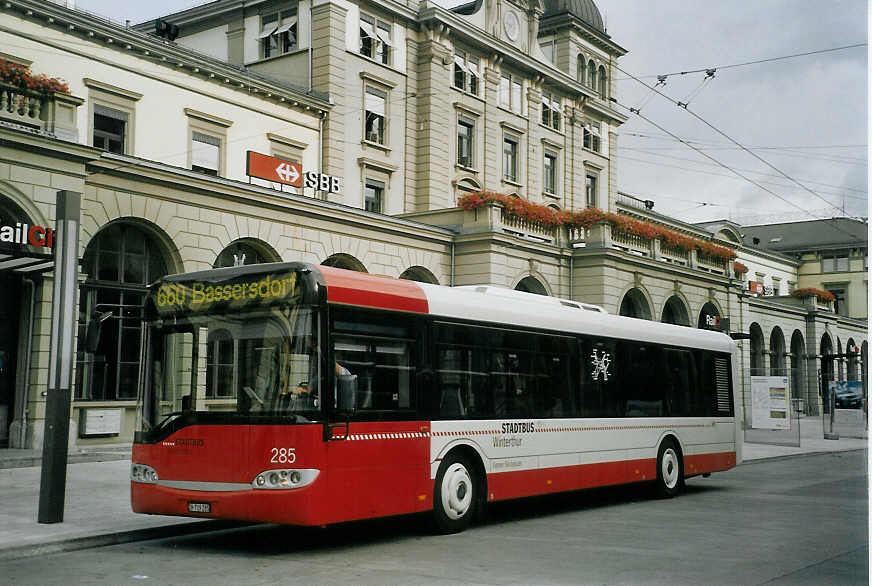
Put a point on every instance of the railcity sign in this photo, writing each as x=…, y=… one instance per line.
x=22, y=233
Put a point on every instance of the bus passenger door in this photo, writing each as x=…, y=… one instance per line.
x=380, y=466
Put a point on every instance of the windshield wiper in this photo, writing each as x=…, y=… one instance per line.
x=168, y=417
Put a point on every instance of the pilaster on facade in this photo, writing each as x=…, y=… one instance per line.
x=534, y=179
x=328, y=75
x=435, y=121
x=493, y=141
x=612, y=181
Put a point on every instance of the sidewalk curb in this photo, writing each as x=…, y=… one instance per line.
x=801, y=455
x=78, y=543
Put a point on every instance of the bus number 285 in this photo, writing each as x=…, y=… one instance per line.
x=283, y=455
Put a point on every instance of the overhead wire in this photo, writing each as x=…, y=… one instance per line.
x=664, y=76
x=728, y=137
x=732, y=170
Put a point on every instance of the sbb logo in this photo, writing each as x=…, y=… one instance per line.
x=322, y=182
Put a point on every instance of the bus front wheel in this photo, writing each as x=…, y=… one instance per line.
x=670, y=470
x=455, y=495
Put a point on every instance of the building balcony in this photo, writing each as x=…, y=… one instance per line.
x=53, y=113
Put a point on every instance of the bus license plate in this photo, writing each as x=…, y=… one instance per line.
x=199, y=507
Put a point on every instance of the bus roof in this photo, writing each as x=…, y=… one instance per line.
x=475, y=303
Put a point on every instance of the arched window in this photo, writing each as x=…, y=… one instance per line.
x=776, y=353
x=120, y=261
x=581, y=69
x=603, y=86
x=419, y=274
x=797, y=366
x=219, y=365
x=853, y=358
x=531, y=285
x=758, y=365
x=675, y=312
x=591, y=75
x=241, y=253
x=709, y=317
x=635, y=305
x=344, y=261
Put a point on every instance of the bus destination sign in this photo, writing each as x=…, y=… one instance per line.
x=246, y=292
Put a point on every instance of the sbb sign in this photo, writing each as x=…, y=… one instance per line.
x=288, y=173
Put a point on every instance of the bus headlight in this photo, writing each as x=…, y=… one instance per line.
x=143, y=473
x=284, y=479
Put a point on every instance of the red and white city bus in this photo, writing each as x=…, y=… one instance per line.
x=308, y=395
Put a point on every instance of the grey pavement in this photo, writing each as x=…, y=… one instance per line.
x=97, y=508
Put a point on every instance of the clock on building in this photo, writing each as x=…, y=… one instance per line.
x=511, y=25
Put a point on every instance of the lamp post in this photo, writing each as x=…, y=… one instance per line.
x=53, y=477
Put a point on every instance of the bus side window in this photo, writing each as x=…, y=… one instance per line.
x=378, y=348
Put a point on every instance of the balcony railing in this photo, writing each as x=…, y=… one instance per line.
x=632, y=243
x=527, y=228
x=54, y=113
x=22, y=106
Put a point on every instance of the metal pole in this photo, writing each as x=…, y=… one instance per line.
x=53, y=479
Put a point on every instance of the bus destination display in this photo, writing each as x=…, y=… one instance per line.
x=200, y=296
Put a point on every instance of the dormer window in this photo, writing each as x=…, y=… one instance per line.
x=278, y=33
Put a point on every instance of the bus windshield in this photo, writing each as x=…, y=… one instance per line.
x=259, y=363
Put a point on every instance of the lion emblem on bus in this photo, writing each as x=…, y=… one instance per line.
x=600, y=365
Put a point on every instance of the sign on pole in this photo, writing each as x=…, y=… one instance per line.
x=288, y=173
x=274, y=169
x=770, y=402
x=53, y=477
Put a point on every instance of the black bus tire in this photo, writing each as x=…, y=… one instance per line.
x=455, y=495
x=670, y=470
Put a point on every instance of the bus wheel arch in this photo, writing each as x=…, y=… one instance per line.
x=460, y=490
x=670, y=467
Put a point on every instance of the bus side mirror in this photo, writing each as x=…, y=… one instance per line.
x=346, y=393
x=92, y=332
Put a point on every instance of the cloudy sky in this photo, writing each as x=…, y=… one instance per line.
x=806, y=116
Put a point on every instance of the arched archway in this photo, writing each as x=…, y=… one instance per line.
x=797, y=369
x=840, y=361
x=120, y=261
x=675, y=312
x=827, y=368
x=758, y=363
x=420, y=274
x=709, y=316
x=245, y=251
x=853, y=352
x=344, y=261
x=776, y=353
x=635, y=304
x=16, y=296
x=531, y=285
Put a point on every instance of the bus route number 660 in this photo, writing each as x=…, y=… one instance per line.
x=283, y=455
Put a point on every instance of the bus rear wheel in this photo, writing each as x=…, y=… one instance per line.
x=455, y=495
x=670, y=470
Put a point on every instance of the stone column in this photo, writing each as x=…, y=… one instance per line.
x=534, y=180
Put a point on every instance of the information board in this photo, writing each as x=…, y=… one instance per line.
x=770, y=402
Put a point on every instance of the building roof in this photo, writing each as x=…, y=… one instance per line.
x=584, y=10
x=830, y=234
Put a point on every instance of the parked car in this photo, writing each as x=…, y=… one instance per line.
x=848, y=398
